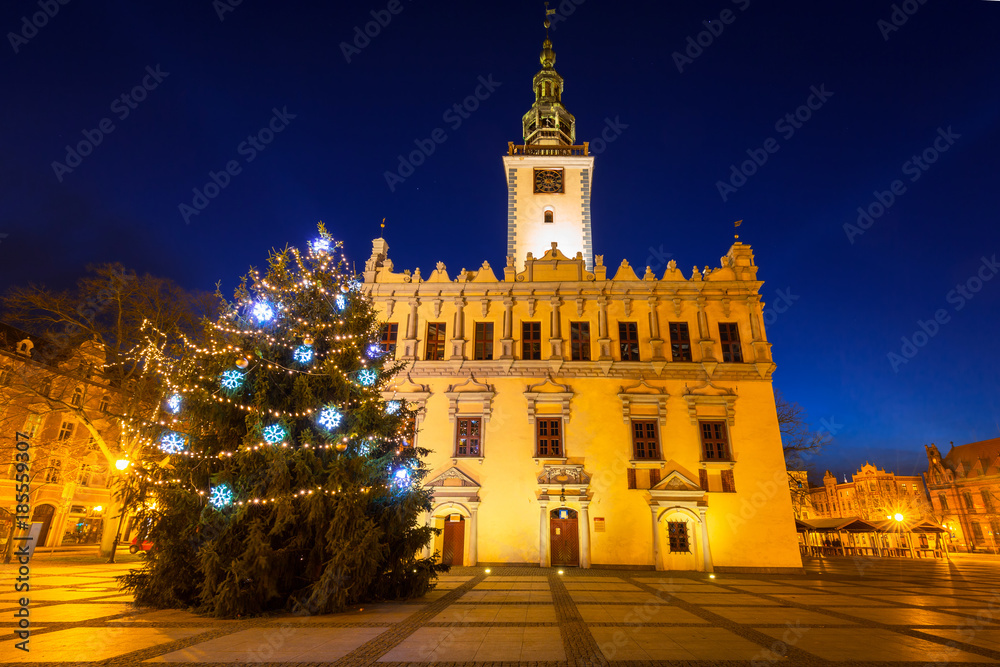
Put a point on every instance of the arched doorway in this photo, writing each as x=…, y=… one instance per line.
x=564, y=537
x=681, y=541
x=43, y=514
x=453, y=544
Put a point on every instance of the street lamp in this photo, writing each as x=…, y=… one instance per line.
x=121, y=465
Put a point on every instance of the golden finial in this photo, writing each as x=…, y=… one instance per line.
x=383, y=228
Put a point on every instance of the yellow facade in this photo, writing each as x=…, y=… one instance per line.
x=606, y=495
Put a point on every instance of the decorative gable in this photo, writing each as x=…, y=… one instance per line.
x=707, y=401
x=553, y=397
x=647, y=396
x=470, y=396
x=676, y=486
x=452, y=477
x=555, y=267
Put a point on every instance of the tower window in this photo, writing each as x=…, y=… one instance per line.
x=549, y=216
x=729, y=334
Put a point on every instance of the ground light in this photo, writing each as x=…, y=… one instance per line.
x=560, y=571
x=711, y=576
x=487, y=570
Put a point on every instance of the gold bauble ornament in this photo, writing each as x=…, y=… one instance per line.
x=345, y=288
x=242, y=362
x=341, y=446
x=308, y=340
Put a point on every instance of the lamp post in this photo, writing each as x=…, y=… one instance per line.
x=121, y=465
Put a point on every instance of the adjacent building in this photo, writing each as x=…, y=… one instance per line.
x=586, y=414
x=964, y=488
x=872, y=494
x=70, y=474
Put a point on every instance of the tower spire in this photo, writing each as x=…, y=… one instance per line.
x=548, y=123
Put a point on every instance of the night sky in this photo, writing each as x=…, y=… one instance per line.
x=216, y=74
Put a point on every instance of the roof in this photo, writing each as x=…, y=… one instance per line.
x=851, y=524
x=985, y=452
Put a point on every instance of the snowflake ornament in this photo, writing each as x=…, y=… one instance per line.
x=274, y=433
x=303, y=354
x=392, y=407
x=321, y=246
x=330, y=417
x=341, y=302
x=401, y=479
x=231, y=380
x=263, y=312
x=172, y=442
x=174, y=403
x=374, y=351
x=222, y=496
x=367, y=377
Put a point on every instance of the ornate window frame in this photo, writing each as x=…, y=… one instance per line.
x=562, y=396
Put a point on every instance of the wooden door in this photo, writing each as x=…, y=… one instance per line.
x=43, y=515
x=454, y=542
x=564, y=538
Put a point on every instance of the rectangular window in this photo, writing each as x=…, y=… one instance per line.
x=53, y=472
x=714, y=442
x=677, y=532
x=435, y=341
x=531, y=340
x=83, y=476
x=703, y=479
x=579, y=341
x=103, y=407
x=628, y=340
x=729, y=335
x=680, y=341
x=654, y=478
x=549, y=437
x=483, y=344
x=387, y=339
x=943, y=499
x=630, y=475
x=987, y=500
x=645, y=443
x=32, y=425
x=468, y=436
x=728, y=482
x=65, y=431
x=967, y=497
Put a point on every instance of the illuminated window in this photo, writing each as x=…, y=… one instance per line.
x=677, y=532
x=483, y=344
x=729, y=335
x=628, y=340
x=32, y=425
x=468, y=436
x=387, y=339
x=714, y=441
x=531, y=340
x=549, y=432
x=680, y=341
x=579, y=341
x=435, y=341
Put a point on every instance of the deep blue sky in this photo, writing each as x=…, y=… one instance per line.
x=654, y=188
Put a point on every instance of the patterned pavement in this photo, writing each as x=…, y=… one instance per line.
x=843, y=610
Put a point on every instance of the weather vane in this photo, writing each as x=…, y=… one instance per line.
x=548, y=13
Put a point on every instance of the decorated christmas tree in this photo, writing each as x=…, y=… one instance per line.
x=276, y=476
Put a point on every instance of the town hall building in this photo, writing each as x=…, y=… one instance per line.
x=581, y=413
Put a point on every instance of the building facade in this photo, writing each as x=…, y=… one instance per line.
x=964, y=488
x=581, y=414
x=872, y=494
x=69, y=474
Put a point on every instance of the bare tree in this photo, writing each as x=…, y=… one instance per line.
x=799, y=444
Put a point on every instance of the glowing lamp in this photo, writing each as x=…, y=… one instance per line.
x=121, y=464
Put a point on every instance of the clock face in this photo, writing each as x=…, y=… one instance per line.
x=548, y=180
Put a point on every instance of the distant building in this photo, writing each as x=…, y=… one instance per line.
x=70, y=469
x=872, y=494
x=964, y=487
x=798, y=486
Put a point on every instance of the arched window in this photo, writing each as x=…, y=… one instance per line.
x=549, y=216
x=943, y=499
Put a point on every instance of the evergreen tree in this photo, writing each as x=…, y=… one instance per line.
x=278, y=477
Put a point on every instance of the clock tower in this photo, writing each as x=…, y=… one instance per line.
x=548, y=176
